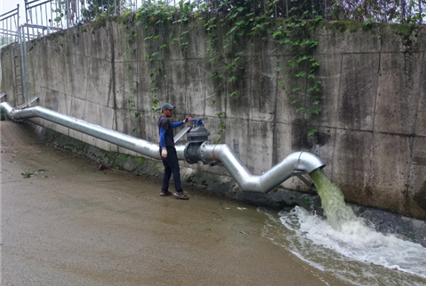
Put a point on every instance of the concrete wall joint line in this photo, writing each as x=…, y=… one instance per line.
x=275, y=142
x=113, y=77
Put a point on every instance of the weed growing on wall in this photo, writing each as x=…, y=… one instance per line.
x=127, y=19
x=157, y=20
x=153, y=20
x=231, y=27
x=295, y=33
x=237, y=23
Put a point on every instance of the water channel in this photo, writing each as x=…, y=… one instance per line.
x=64, y=222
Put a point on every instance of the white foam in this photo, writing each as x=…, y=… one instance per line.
x=357, y=241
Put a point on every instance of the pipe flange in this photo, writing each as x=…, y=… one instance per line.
x=192, y=152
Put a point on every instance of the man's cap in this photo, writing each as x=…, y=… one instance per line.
x=167, y=106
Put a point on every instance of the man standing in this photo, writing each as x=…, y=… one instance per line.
x=168, y=151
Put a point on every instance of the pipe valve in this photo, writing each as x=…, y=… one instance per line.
x=197, y=135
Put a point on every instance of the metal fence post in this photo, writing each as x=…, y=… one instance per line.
x=17, y=24
x=23, y=62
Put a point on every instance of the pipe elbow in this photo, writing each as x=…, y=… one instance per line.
x=4, y=106
x=308, y=162
x=253, y=184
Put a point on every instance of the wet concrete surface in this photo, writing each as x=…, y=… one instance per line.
x=64, y=222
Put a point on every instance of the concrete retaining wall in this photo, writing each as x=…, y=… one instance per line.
x=371, y=128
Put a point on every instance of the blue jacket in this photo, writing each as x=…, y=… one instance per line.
x=165, y=128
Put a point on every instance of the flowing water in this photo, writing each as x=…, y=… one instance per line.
x=344, y=245
x=78, y=225
x=332, y=201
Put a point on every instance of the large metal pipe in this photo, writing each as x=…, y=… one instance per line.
x=123, y=140
x=293, y=164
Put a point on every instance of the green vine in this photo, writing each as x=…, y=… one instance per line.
x=128, y=20
x=152, y=18
x=230, y=29
x=155, y=20
x=295, y=33
x=184, y=14
x=221, y=127
x=230, y=32
x=229, y=35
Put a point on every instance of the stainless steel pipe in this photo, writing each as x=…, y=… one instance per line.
x=123, y=140
x=295, y=163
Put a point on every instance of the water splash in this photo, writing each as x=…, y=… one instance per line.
x=344, y=245
x=356, y=254
x=358, y=242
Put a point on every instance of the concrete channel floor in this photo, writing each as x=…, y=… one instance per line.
x=63, y=222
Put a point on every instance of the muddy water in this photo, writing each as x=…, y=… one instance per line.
x=66, y=223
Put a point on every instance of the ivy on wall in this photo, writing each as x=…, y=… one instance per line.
x=296, y=34
x=235, y=24
x=155, y=20
x=231, y=26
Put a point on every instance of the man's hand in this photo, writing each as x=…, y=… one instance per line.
x=188, y=118
x=164, y=153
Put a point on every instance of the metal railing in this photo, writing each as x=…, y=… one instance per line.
x=47, y=16
x=9, y=23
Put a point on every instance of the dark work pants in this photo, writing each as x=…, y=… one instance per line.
x=171, y=166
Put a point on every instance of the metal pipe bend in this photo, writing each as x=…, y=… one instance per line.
x=295, y=163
